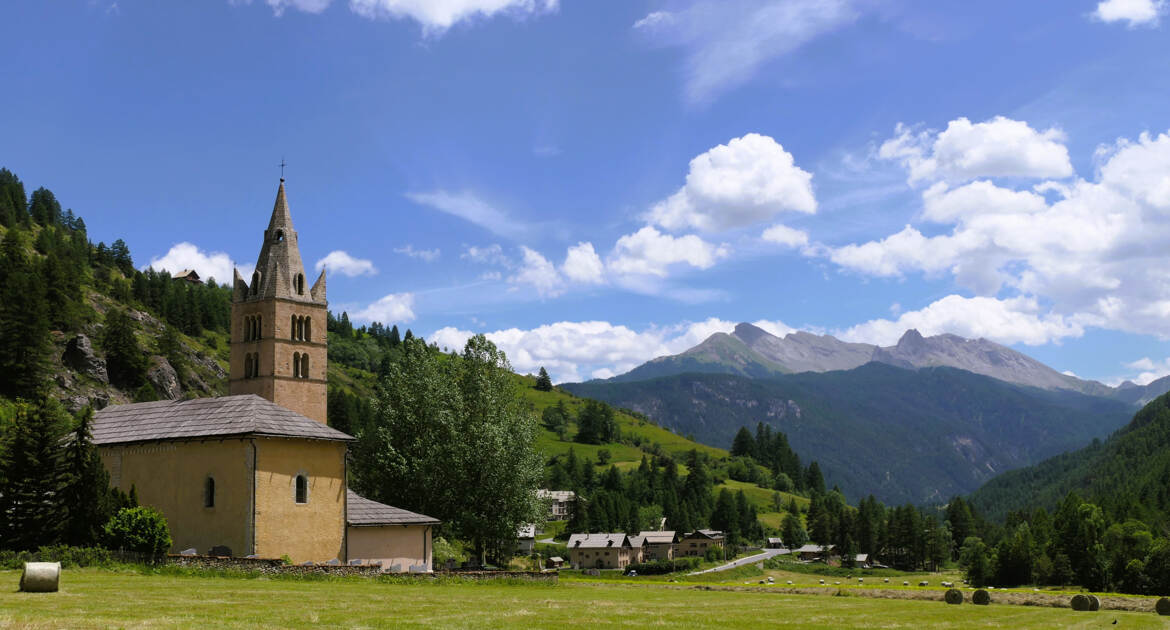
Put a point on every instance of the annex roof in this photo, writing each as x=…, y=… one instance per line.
x=362, y=512
x=597, y=541
x=246, y=414
x=713, y=534
x=657, y=538
x=811, y=548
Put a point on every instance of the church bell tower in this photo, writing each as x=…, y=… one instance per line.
x=278, y=347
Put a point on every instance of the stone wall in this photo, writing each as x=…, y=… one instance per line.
x=269, y=566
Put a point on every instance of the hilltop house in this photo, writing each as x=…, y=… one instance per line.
x=260, y=472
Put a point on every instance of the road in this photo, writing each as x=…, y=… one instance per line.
x=760, y=557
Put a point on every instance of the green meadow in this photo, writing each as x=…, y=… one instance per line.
x=102, y=599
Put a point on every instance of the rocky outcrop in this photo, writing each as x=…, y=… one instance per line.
x=79, y=356
x=164, y=378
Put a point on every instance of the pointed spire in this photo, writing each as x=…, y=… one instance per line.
x=281, y=219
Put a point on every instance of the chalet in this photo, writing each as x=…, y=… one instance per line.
x=560, y=503
x=697, y=543
x=602, y=551
x=189, y=275
x=811, y=552
x=775, y=543
x=658, y=545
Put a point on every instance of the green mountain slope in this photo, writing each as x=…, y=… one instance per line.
x=1128, y=474
x=902, y=435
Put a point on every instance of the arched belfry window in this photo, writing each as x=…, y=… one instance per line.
x=255, y=282
x=292, y=327
x=308, y=329
x=296, y=365
x=209, y=492
x=305, y=365
x=248, y=366
x=255, y=365
x=300, y=284
x=301, y=493
x=279, y=236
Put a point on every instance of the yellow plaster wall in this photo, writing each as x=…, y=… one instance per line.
x=311, y=531
x=170, y=476
x=404, y=545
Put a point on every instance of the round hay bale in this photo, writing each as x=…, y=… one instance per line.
x=981, y=598
x=40, y=577
x=954, y=597
x=1079, y=603
x=1094, y=603
x=822, y=581
x=924, y=583
x=1162, y=606
x=887, y=580
x=905, y=583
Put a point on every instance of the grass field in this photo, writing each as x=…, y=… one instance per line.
x=100, y=599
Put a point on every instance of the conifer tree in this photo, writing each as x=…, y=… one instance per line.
x=24, y=326
x=125, y=361
x=543, y=382
x=87, y=495
x=32, y=513
x=744, y=444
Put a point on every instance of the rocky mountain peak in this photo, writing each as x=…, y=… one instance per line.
x=749, y=333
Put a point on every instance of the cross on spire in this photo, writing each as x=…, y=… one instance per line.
x=282, y=165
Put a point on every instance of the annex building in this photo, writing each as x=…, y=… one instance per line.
x=260, y=472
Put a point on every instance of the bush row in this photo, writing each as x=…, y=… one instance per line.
x=659, y=567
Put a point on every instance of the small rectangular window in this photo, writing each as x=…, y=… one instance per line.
x=302, y=493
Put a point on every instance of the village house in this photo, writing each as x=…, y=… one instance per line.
x=525, y=539
x=602, y=551
x=560, y=503
x=260, y=472
x=697, y=543
x=811, y=552
x=189, y=275
x=658, y=545
x=774, y=543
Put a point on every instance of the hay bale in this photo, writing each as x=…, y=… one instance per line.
x=905, y=583
x=1094, y=603
x=953, y=596
x=1162, y=606
x=1079, y=603
x=924, y=583
x=981, y=598
x=40, y=577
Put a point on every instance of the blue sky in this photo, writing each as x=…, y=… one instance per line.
x=595, y=183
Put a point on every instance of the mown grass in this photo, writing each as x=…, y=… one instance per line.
x=100, y=599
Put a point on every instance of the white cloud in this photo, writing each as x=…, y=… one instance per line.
x=786, y=236
x=469, y=207
x=341, y=262
x=436, y=16
x=1132, y=12
x=278, y=6
x=746, y=181
x=651, y=252
x=537, y=272
x=487, y=255
x=1000, y=147
x=582, y=264
x=1149, y=370
x=391, y=309
x=208, y=265
x=426, y=255
x=571, y=351
x=1008, y=321
x=727, y=41
x=1092, y=251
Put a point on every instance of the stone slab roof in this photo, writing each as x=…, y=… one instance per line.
x=598, y=541
x=363, y=512
x=246, y=414
x=657, y=538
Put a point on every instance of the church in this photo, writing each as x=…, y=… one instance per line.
x=260, y=472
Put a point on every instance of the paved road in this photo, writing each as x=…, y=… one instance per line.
x=760, y=557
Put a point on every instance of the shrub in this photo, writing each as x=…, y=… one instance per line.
x=981, y=598
x=954, y=596
x=712, y=554
x=139, y=529
x=660, y=567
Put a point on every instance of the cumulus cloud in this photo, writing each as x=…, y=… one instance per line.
x=338, y=261
x=1093, y=250
x=436, y=16
x=651, y=252
x=727, y=41
x=426, y=255
x=786, y=236
x=1132, y=12
x=208, y=265
x=391, y=309
x=487, y=255
x=279, y=6
x=1000, y=147
x=537, y=272
x=469, y=207
x=1148, y=370
x=746, y=181
x=582, y=264
x=1007, y=321
x=573, y=351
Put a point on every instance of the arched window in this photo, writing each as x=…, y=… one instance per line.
x=255, y=365
x=259, y=327
x=247, y=366
x=299, y=328
x=300, y=284
x=292, y=327
x=305, y=365
x=308, y=329
x=302, y=489
x=209, y=492
x=279, y=236
x=296, y=365
x=255, y=282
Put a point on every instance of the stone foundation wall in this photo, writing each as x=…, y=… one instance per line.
x=270, y=566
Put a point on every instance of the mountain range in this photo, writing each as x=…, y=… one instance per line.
x=918, y=421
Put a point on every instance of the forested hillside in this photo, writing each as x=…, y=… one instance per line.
x=1128, y=475
x=902, y=435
